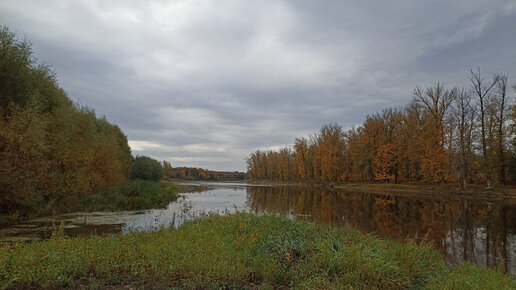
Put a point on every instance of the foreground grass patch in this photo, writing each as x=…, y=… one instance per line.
x=242, y=251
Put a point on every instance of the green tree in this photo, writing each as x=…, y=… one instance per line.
x=146, y=168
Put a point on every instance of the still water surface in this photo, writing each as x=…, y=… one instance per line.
x=463, y=229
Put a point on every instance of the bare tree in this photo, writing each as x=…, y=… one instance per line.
x=463, y=116
x=500, y=103
x=482, y=89
x=436, y=100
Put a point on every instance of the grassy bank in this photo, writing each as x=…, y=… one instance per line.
x=238, y=251
x=134, y=194
x=129, y=195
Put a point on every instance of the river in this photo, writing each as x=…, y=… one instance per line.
x=482, y=231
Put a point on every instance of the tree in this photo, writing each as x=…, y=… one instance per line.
x=370, y=141
x=432, y=139
x=301, y=158
x=331, y=152
x=464, y=117
x=512, y=142
x=23, y=165
x=386, y=163
x=168, y=171
x=435, y=100
x=500, y=103
x=482, y=89
x=146, y=168
x=50, y=149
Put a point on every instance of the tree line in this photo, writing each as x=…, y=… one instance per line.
x=50, y=148
x=192, y=173
x=442, y=135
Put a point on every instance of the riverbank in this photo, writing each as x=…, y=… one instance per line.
x=237, y=251
x=129, y=195
x=441, y=190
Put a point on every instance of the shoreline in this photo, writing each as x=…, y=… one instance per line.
x=149, y=195
x=438, y=190
x=446, y=191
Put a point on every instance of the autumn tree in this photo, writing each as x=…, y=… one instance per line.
x=301, y=158
x=358, y=166
x=23, y=162
x=386, y=163
x=435, y=101
x=256, y=165
x=50, y=149
x=434, y=138
x=331, y=148
x=370, y=141
x=168, y=171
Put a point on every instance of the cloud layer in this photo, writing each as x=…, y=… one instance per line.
x=204, y=83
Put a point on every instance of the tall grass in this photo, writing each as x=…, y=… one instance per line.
x=237, y=251
x=128, y=195
x=133, y=194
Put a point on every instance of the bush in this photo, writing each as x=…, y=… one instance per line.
x=146, y=168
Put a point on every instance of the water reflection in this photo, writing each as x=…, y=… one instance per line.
x=463, y=229
x=197, y=202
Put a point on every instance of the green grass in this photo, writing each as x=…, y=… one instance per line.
x=134, y=194
x=128, y=195
x=238, y=251
x=467, y=276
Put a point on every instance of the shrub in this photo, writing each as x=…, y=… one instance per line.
x=146, y=168
x=133, y=194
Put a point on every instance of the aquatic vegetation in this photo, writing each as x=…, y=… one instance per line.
x=237, y=251
x=133, y=194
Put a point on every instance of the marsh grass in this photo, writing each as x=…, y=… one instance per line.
x=134, y=194
x=237, y=251
x=128, y=195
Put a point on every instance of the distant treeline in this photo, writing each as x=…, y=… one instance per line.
x=191, y=173
x=443, y=135
x=50, y=148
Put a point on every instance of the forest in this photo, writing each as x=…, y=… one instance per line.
x=443, y=135
x=59, y=156
x=50, y=148
x=192, y=173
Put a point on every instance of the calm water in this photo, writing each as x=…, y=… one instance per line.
x=463, y=229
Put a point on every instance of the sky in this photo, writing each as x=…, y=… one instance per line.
x=205, y=83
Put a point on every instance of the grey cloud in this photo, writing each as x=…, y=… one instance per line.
x=204, y=83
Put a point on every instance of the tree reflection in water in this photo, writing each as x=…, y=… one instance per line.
x=463, y=229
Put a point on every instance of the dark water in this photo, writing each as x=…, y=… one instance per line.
x=463, y=229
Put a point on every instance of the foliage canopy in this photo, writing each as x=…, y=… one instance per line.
x=146, y=168
x=50, y=148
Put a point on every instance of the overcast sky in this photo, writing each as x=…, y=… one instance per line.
x=204, y=83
